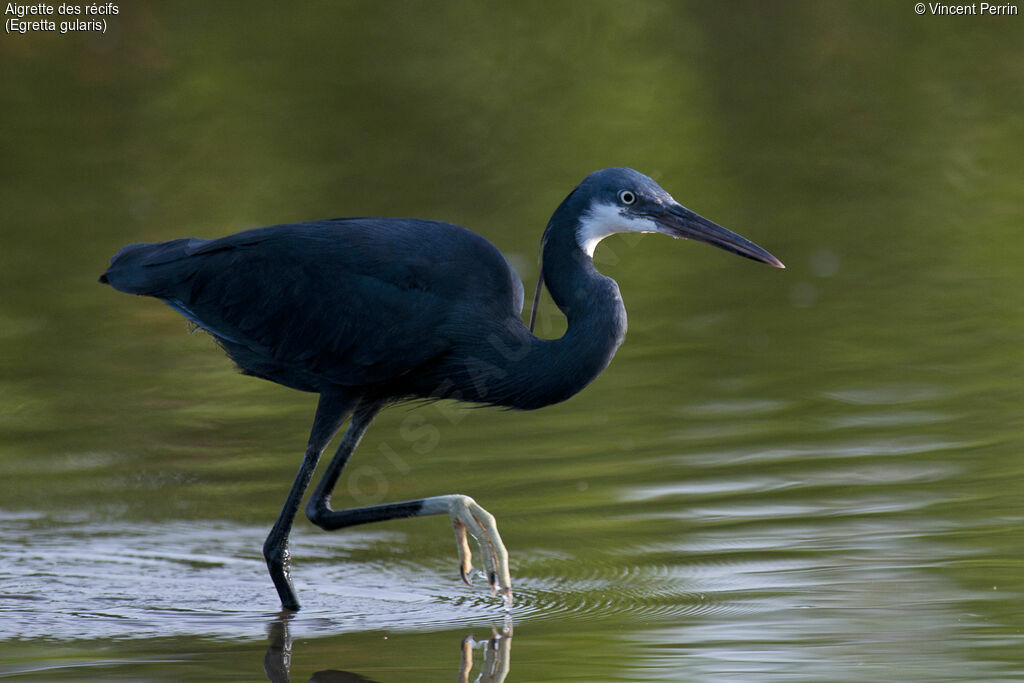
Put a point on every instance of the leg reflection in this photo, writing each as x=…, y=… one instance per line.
x=495, y=667
x=497, y=656
x=277, y=663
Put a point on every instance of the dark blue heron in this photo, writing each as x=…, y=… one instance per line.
x=371, y=311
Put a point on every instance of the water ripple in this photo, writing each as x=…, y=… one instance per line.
x=107, y=580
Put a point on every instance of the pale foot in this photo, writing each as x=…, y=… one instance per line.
x=469, y=519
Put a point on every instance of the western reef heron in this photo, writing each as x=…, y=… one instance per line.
x=367, y=312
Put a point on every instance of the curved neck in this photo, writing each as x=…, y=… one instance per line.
x=529, y=372
x=575, y=285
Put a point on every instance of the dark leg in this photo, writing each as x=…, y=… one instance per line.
x=331, y=411
x=317, y=508
x=466, y=515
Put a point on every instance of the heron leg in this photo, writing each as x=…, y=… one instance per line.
x=466, y=515
x=331, y=411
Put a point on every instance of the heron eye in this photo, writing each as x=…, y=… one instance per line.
x=627, y=197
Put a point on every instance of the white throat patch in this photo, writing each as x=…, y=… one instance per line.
x=602, y=220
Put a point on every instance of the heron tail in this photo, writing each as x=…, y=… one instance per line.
x=151, y=268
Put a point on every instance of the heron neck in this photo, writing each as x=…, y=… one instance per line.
x=553, y=370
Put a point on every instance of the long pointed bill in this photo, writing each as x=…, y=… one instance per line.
x=678, y=221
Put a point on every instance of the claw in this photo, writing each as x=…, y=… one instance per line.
x=465, y=554
x=468, y=518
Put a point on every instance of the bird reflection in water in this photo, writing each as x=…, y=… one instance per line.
x=497, y=657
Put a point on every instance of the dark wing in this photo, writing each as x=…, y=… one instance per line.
x=351, y=301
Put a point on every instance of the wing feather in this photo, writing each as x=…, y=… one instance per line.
x=352, y=301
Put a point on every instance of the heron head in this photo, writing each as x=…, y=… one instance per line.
x=617, y=200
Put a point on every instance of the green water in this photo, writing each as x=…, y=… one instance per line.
x=806, y=474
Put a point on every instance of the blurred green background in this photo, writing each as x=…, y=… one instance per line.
x=811, y=473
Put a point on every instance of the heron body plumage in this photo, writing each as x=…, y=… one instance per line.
x=362, y=304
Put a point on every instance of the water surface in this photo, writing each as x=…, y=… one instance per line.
x=806, y=474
